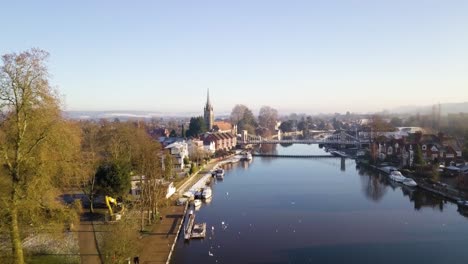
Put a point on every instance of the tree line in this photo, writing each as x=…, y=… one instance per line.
x=44, y=155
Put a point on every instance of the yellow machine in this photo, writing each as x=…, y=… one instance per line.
x=117, y=215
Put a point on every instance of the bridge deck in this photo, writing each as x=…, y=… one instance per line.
x=294, y=156
x=300, y=142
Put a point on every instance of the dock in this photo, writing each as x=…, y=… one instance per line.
x=189, y=226
x=199, y=230
x=193, y=230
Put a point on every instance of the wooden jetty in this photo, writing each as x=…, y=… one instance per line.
x=199, y=231
x=193, y=230
x=189, y=226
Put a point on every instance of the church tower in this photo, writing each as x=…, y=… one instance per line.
x=208, y=113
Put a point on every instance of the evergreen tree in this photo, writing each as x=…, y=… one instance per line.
x=197, y=127
x=418, y=157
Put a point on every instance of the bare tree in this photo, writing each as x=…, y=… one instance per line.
x=237, y=113
x=268, y=117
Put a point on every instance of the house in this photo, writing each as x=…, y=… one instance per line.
x=159, y=132
x=179, y=150
x=195, y=145
x=222, y=141
x=224, y=127
x=138, y=180
x=209, y=146
x=434, y=148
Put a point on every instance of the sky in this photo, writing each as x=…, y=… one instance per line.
x=296, y=56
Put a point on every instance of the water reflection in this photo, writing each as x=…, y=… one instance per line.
x=375, y=185
x=288, y=210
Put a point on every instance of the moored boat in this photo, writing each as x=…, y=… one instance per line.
x=247, y=156
x=206, y=193
x=397, y=176
x=409, y=182
x=197, y=202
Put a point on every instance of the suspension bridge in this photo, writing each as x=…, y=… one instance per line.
x=341, y=138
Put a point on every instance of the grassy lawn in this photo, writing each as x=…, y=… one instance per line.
x=53, y=259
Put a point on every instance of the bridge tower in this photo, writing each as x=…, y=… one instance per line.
x=342, y=138
x=244, y=135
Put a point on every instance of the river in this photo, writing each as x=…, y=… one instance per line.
x=300, y=210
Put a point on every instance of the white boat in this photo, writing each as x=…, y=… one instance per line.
x=247, y=156
x=409, y=182
x=197, y=202
x=206, y=193
x=397, y=176
x=219, y=171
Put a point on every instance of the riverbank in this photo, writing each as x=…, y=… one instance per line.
x=437, y=188
x=158, y=244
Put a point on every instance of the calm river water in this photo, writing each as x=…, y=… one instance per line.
x=287, y=210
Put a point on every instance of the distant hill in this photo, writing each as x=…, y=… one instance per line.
x=447, y=108
x=122, y=115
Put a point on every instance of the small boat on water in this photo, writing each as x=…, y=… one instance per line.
x=198, y=194
x=218, y=173
x=197, y=202
x=409, y=182
x=397, y=176
x=246, y=156
x=206, y=193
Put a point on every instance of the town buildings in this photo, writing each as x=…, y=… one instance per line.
x=179, y=150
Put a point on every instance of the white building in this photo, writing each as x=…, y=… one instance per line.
x=138, y=180
x=194, y=146
x=179, y=150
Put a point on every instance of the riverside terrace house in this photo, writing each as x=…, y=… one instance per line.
x=434, y=148
x=224, y=127
x=222, y=141
x=179, y=150
x=197, y=145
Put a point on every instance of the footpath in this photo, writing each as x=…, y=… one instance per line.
x=87, y=242
x=157, y=245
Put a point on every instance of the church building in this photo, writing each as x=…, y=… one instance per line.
x=208, y=113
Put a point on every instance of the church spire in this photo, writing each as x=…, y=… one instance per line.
x=208, y=103
x=208, y=112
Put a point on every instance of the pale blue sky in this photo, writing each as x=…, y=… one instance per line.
x=304, y=56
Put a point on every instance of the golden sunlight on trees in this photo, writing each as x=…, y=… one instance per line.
x=37, y=147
